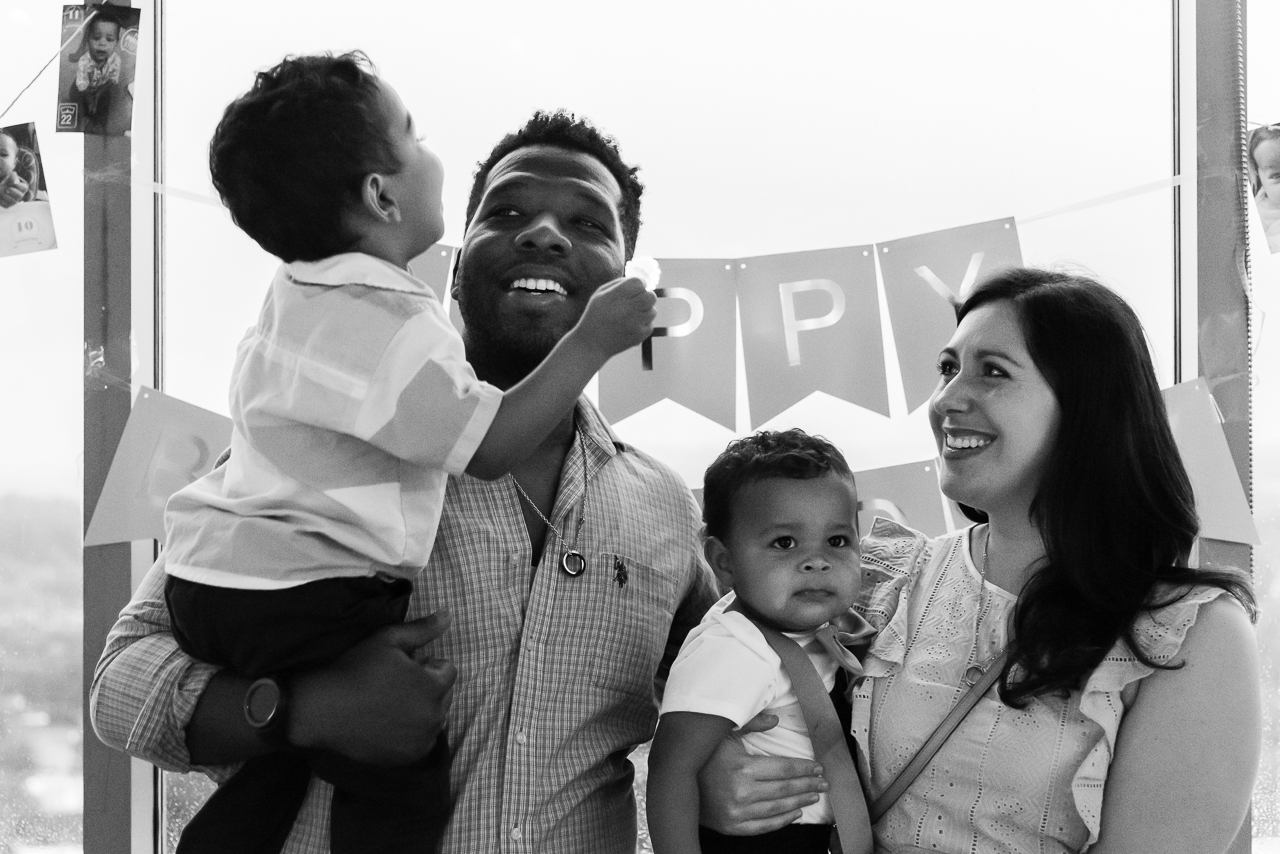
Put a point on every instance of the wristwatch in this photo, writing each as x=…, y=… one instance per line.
x=266, y=708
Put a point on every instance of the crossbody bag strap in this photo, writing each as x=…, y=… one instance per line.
x=940, y=734
x=829, y=746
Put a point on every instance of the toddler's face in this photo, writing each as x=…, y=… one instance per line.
x=420, y=178
x=103, y=38
x=1267, y=158
x=792, y=549
x=8, y=156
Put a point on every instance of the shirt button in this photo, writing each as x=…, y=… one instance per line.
x=516, y=834
x=521, y=738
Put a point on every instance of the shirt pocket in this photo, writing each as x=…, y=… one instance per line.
x=633, y=606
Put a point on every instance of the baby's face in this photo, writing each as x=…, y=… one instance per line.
x=8, y=156
x=1267, y=158
x=103, y=38
x=792, y=550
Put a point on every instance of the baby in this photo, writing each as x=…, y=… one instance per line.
x=1264, y=164
x=782, y=530
x=97, y=83
x=351, y=403
x=19, y=172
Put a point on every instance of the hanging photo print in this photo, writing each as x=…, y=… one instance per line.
x=1264, y=176
x=99, y=59
x=26, y=223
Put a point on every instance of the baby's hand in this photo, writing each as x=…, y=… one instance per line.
x=619, y=315
x=13, y=189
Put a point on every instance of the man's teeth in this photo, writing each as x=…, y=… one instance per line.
x=539, y=285
x=957, y=443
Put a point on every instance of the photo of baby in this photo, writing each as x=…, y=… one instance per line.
x=1264, y=175
x=97, y=70
x=26, y=223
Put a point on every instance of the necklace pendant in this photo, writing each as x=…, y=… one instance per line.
x=573, y=563
x=973, y=675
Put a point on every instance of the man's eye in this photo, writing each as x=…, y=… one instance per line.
x=784, y=543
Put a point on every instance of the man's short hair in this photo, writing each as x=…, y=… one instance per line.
x=565, y=130
x=786, y=453
x=289, y=156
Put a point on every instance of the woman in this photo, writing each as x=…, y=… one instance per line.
x=1128, y=716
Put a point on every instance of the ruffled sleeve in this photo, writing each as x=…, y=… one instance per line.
x=1161, y=633
x=892, y=556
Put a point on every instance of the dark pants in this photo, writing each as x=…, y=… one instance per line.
x=792, y=839
x=389, y=810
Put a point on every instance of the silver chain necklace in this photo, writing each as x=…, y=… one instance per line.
x=973, y=673
x=571, y=560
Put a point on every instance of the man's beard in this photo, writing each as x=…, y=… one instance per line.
x=502, y=354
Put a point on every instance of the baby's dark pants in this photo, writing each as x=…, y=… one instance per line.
x=388, y=810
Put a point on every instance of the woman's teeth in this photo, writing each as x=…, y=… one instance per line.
x=960, y=443
x=539, y=285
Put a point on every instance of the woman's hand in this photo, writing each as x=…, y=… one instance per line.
x=744, y=795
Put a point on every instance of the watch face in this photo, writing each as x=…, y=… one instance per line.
x=261, y=702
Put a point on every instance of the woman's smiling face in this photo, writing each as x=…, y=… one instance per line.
x=993, y=414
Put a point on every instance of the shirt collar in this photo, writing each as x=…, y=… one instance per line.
x=355, y=268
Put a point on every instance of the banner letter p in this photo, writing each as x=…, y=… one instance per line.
x=791, y=327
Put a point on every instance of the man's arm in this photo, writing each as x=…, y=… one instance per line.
x=682, y=744
x=382, y=702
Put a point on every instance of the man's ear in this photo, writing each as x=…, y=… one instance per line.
x=376, y=198
x=453, y=275
x=720, y=559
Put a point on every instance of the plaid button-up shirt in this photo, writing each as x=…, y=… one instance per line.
x=558, y=676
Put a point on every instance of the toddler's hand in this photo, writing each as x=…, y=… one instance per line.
x=619, y=315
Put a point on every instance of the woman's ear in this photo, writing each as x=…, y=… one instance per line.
x=376, y=199
x=720, y=559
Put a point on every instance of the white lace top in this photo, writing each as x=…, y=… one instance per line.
x=1008, y=780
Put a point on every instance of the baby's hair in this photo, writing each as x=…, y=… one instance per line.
x=289, y=155
x=1256, y=138
x=782, y=453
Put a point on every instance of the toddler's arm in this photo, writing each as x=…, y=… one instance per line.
x=683, y=743
x=619, y=315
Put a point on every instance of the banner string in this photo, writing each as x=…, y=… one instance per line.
x=69, y=40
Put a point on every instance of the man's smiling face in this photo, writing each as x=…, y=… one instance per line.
x=545, y=235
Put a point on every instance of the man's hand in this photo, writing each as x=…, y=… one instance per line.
x=383, y=702
x=744, y=795
x=619, y=315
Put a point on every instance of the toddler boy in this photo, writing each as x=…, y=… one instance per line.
x=782, y=530
x=351, y=402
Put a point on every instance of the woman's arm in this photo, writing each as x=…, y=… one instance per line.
x=744, y=795
x=1187, y=751
x=683, y=743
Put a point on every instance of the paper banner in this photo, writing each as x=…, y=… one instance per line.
x=1220, y=499
x=924, y=276
x=166, y=445
x=96, y=72
x=908, y=494
x=811, y=322
x=693, y=347
x=434, y=267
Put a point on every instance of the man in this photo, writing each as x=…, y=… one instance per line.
x=571, y=582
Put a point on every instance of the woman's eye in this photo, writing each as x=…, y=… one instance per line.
x=784, y=543
x=946, y=368
x=995, y=371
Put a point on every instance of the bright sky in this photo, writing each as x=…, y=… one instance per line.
x=830, y=124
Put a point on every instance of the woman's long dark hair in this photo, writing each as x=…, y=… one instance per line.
x=1115, y=507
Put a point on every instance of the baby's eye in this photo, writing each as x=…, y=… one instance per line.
x=784, y=543
x=839, y=541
